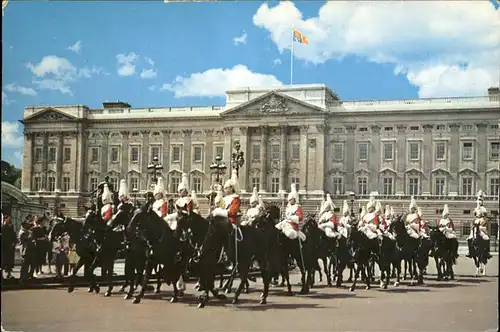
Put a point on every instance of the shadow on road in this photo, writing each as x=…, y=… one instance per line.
x=402, y=290
x=277, y=306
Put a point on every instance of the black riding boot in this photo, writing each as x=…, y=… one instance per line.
x=488, y=249
x=469, y=244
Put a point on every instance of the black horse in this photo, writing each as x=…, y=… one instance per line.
x=480, y=251
x=163, y=247
x=364, y=251
x=443, y=252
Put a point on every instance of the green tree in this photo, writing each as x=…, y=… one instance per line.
x=11, y=174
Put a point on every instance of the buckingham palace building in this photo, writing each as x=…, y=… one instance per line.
x=440, y=150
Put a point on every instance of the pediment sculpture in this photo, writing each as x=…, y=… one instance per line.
x=274, y=105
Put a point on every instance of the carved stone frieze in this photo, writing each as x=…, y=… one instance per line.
x=243, y=131
x=351, y=128
x=401, y=128
x=482, y=125
x=427, y=128
x=209, y=132
x=145, y=133
x=304, y=129
x=52, y=116
x=105, y=134
x=125, y=133
x=71, y=134
x=454, y=126
x=264, y=130
x=228, y=130
x=274, y=105
x=187, y=132
x=323, y=128
x=166, y=132
x=312, y=143
x=29, y=135
x=376, y=129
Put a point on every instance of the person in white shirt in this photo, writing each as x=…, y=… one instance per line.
x=327, y=218
x=255, y=209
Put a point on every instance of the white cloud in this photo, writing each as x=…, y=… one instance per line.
x=76, y=47
x=12, y=87
x=126, y=63
x=5, y=99
x=241, y=39
x=148, y=73
x=215, y=82
x=12, y=136
x=449, y=48
x=57, y=73
x=277, y=62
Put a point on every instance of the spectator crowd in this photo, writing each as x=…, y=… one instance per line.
x=38, y=250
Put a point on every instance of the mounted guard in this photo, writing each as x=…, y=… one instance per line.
x=183, y=204
x=160, y=206
x=345, y=222
x=196, y=204
x=480, y=213
x=328, y=222
x=370, y=222
x=230, y=203
x=123, y=196
x=447, y=227
x=107, y=202
x=256, y=207
x=388, y=217
x=293, y=217
x=424, y=225
x=413, y=221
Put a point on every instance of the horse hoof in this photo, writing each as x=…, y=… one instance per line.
x=157, y=291
x=367, y=287
x=382, y=284
x=71, y=289
x=201, y=305
x=136, y=300
x=246, y=291
x=329, y=284
x=196, y=287
x=97, y=290
x=351, y=289
x=228, y=291
x=107, y=294
x=221, y=297
x=235, y=301
x=263, y=301
x=173, y=300
x=90, y=290
x=304, y=291
x=396, y=283
x=385, y=286
x=127, y=297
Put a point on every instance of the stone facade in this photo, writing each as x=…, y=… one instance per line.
x=438, y=150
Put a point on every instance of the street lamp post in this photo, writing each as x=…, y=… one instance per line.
x=218, y=168
x=352, y=196
x=155, y=169
x=237, y=157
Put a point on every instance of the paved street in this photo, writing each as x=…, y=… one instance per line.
x=467, y=304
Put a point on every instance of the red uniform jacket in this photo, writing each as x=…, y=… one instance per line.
x=376, y=221
x=335, y=221
x=164, y=209
x=232, y=210
x=299, y=214
x=108, y=213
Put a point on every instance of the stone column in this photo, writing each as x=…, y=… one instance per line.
x=187, y=157
x=323, y=130
x=243, y=171
x=427, y=159
x=27, y=173
x=374, y=162
x=145, y=158
x=228, y=150
x=103, y=153
x=45, y=159
x=303, y=159
x=263, y=158
x=124, y=154
x=165, y=161
x=283, y=159
x=454, y=159
x=350, y=154
x=401, y=157
x=481, y=155
x=77, y=152
x=59, y=160
x=209, y=158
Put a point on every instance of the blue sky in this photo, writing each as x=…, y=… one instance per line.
x=158, y=54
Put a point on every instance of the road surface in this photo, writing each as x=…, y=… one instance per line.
x=467, y=304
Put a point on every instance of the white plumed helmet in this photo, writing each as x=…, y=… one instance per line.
x=255, y=197
x=123, y=192
x=293, y=193
x=106, y=195
x=184, y=185
x=159, y=187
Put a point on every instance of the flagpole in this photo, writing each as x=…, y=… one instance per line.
x=291, y=61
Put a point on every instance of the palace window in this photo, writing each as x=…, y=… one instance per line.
x=296, y=151
x=51, y=183
x=66, y=183
x=52, y=154
x=255, y=182
x=37, y=183
x=414, y=128
x=338, y=185
x=467, y=186
x=338, y=151
x=174, y=182
x=414, y=151
x=156, y=152
x=413, y=186
x=67, y=154
x=94, y=154
x=388, y=186
x=275, y=184
x=494, y=186
x=114, y=154
x=296, y=181
x=197, y=154
x=467, y=150
x=388, y=128
x=113, y=181
x=363, y=151
x=439, y=186
x=467, y=127
x=363, y=129
x=38, y=155
x=275, y=152
x=338, y=130
x=388, y=151
x=134, y=184
x=93, y=183
x=440, y=127
x=219, y=152
x=197, y=184
x=134, y=154
x=255, y=152
x=362, y=185
x=440, y=150
x=176, y=155
x=494, y=150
